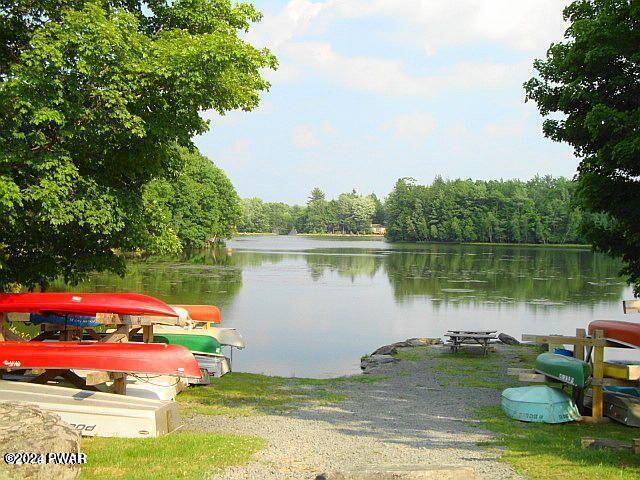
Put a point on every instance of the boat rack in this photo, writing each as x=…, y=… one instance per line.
x=584, y=348
x=126, y=326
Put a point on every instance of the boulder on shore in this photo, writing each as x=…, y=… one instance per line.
x=392, y=348
x=373, y=361
x=508, y=339
x=27, y=428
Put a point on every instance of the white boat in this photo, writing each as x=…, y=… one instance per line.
x=215, y=365
x=226, y=336
x=97, y=414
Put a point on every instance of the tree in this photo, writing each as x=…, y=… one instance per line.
x=254, y=217
x=316, y=221
x=94, y=98
x=592, y=80
x=203, y=205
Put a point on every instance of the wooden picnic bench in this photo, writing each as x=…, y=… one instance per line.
x=484, y=338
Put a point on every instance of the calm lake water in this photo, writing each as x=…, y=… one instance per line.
x=312, y=307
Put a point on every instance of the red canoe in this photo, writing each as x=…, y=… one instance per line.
x=626, y=333
x=202, y=313
x=84, y=304
x=151, y=358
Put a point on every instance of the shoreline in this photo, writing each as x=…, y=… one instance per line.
x=371, y=236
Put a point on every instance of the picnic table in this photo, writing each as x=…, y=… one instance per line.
x=484, y=338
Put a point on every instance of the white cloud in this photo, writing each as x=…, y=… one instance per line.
x=411, y=126
x=516, y=24
x=389, y=77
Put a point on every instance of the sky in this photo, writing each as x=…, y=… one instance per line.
x=369, y=91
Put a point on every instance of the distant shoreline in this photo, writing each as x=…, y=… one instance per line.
x=370, y=236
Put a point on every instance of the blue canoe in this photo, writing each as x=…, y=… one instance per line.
x=539, y=404
x=69, y=320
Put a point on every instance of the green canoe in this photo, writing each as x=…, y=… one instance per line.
x=566, y=369
x=541, y=404
x=195, y=343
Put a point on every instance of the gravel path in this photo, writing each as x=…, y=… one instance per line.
x=408, y=419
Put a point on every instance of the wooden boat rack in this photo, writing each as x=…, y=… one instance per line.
x=125, y=327
x=584, y=347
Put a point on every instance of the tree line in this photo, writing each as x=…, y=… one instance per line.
x=541, y=210
x=350, y=213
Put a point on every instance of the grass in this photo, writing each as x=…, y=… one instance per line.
x=542, y=451
x=184, y=455
x=535, y=450
x=242, y=394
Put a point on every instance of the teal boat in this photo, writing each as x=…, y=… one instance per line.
x=541, y=404
x=568, y=370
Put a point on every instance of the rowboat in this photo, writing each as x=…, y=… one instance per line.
x=624, y=333
x=565, y=369
x=214, y=365
x=621, y=404
x=539, y=404
x=201, y=313
x=88, y=304
x=226, y=336
x=149, y=358
x=97, y=414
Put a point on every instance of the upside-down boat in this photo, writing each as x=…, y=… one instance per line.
x=624, y=333
x=566, y=369
x=149, y=358
x=88, y=304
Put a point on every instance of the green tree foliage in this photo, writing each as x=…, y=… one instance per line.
x=254, y=217
x=354, y=213
x=94, y=97
x=201, y=204
x=537, y=211
x=592, y=80
x=316, y=217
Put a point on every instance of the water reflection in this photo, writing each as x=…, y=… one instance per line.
x=313, y=306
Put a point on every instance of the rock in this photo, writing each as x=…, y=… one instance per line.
x=26, y=428
x=386, y=350
x=508, y=339
x=423, y=342
x=410, y=472
x=374, y=361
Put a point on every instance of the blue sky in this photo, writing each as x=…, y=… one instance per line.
x=369, y=91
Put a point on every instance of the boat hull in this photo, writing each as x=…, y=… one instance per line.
x=620, y=404
x=568, y=370
x=625, y=333
x=540, y=404
x=201, y=313
x=149, y=358
x=195, y=343
x=226, y=336
x=88, y=304
x=97, y=414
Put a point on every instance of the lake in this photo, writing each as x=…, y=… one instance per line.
x=313, y=306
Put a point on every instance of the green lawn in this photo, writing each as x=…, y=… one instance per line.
x=251, y=394
x=537, y=451
x=182, y=455
x=541, y=451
